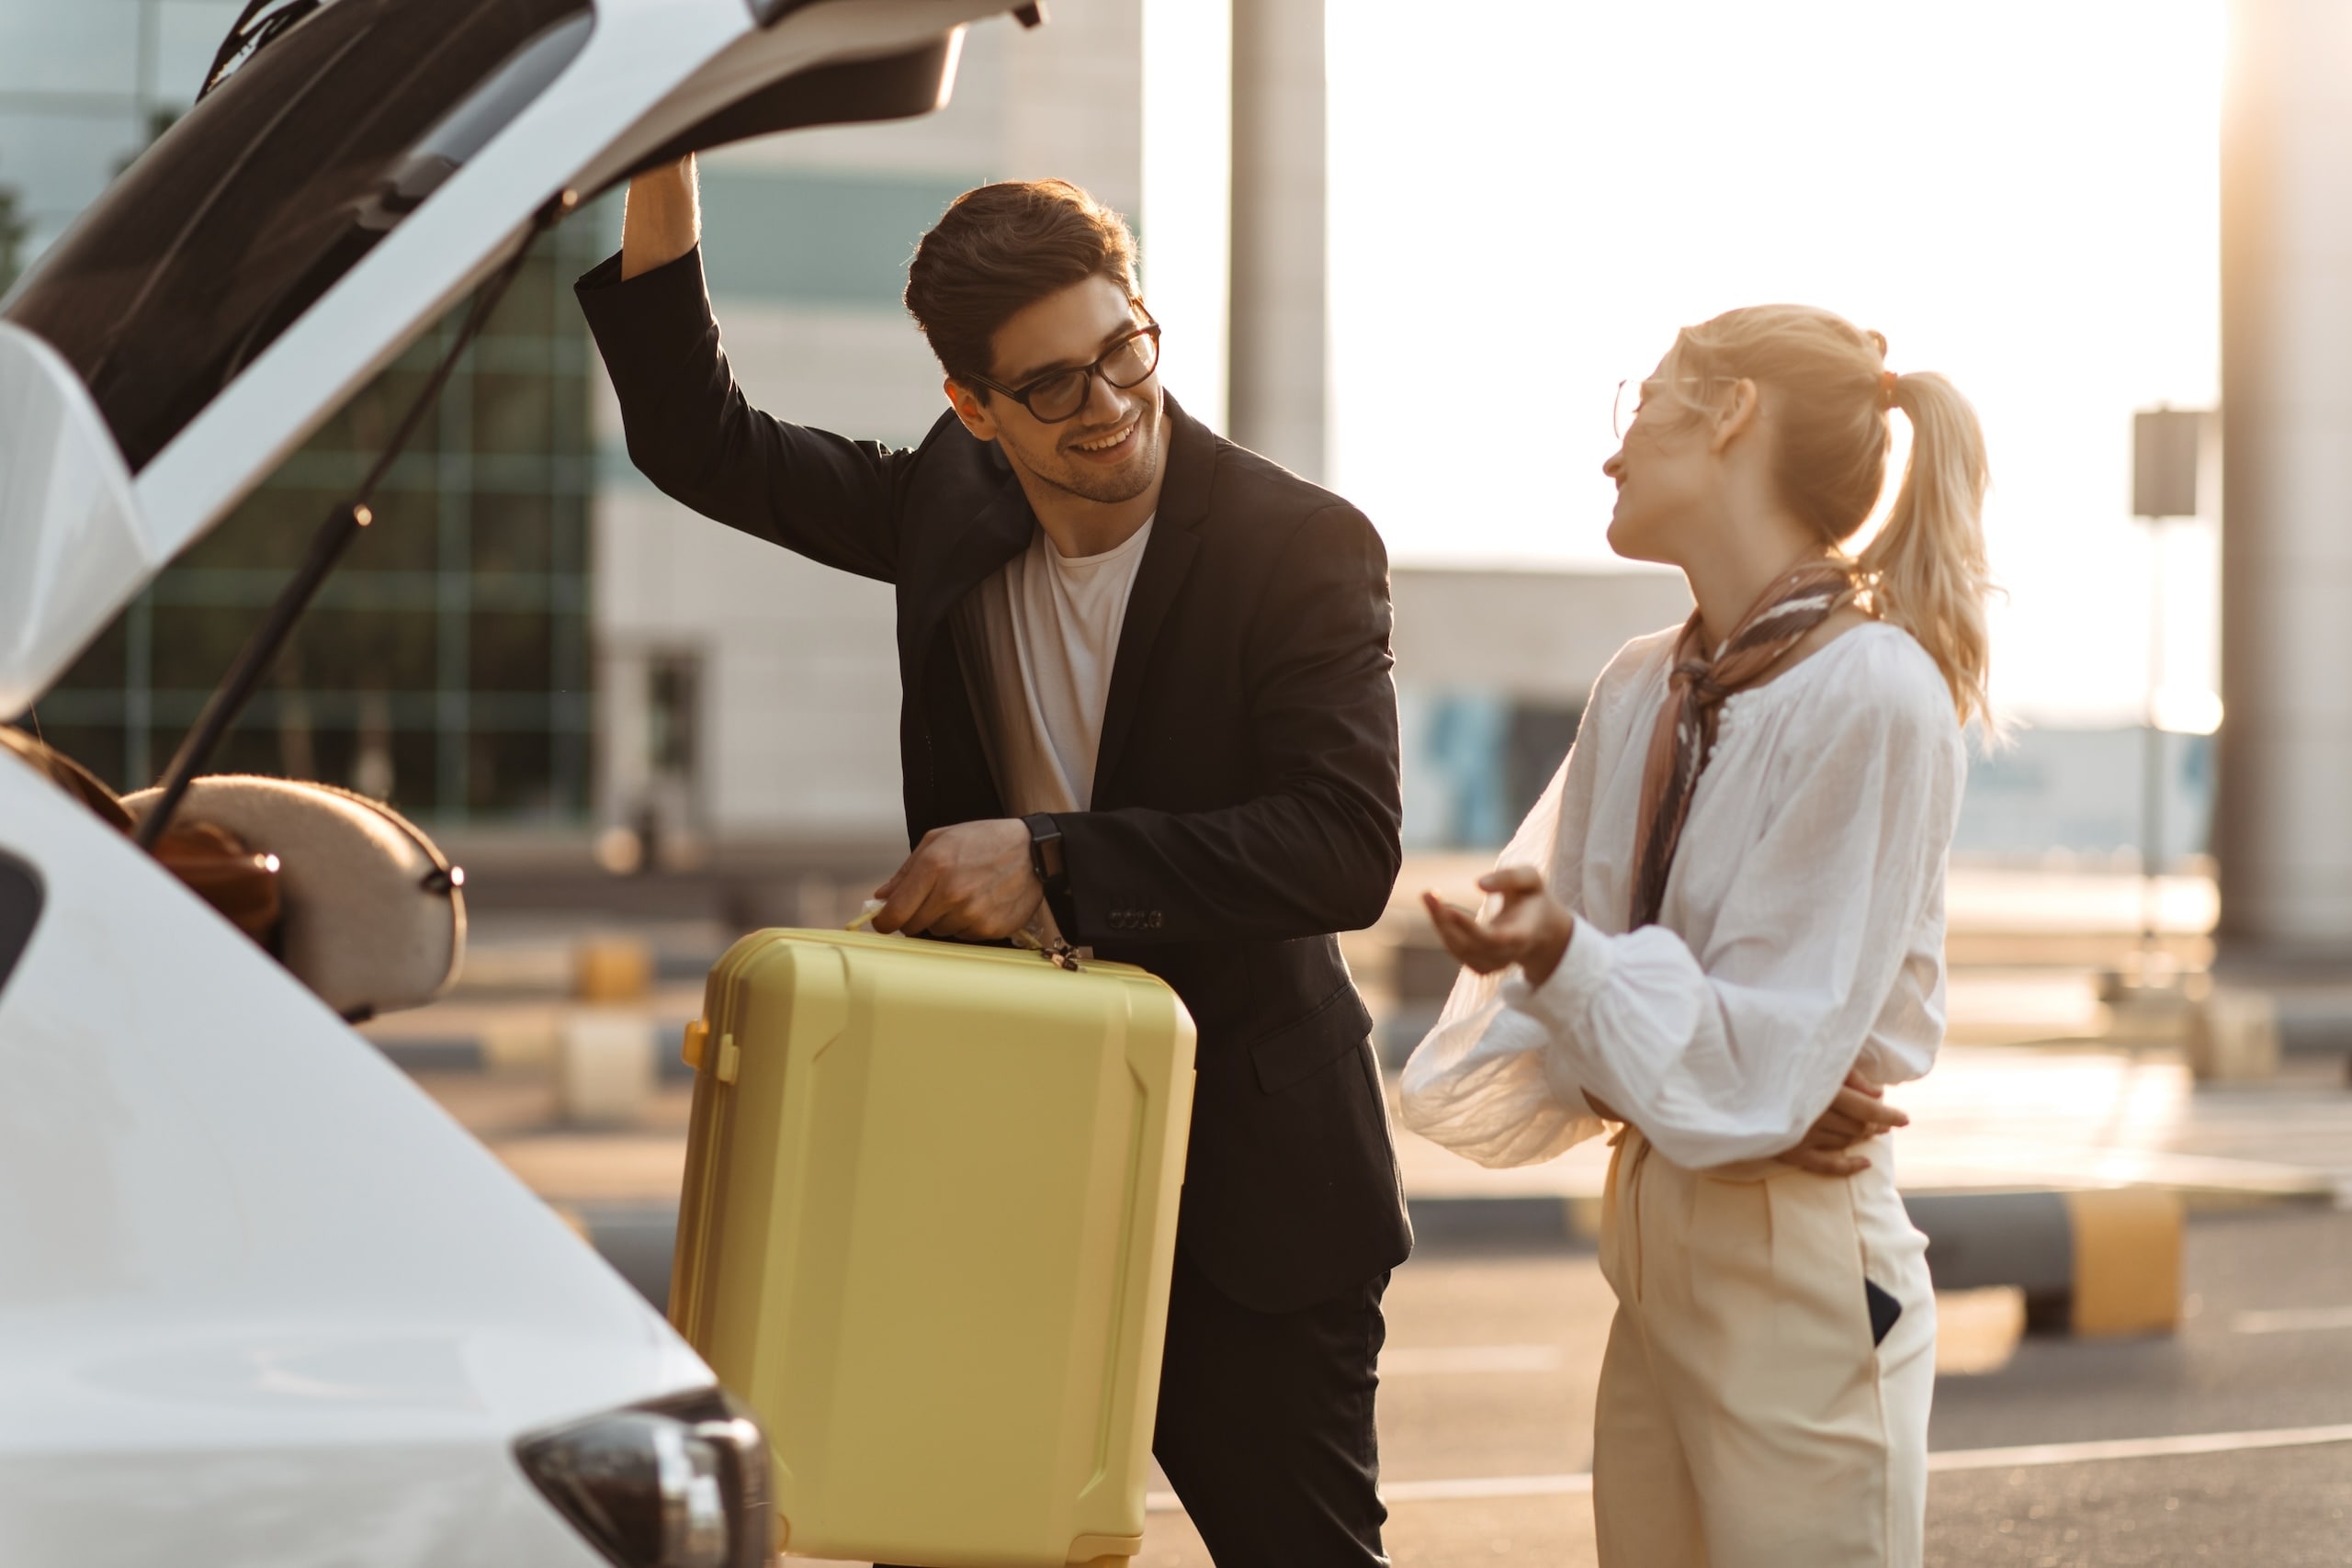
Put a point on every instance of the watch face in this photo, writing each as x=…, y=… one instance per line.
x=1044, y=847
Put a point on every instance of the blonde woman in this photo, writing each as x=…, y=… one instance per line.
x=1729, y=900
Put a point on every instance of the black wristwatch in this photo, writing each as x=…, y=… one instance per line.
x=1045, y=853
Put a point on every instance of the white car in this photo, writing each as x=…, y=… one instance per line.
x=262, y=1302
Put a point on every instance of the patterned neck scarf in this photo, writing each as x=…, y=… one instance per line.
x=1684, y=735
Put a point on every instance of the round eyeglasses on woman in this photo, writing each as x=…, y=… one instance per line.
x=1058, y=395
x=1633, y=390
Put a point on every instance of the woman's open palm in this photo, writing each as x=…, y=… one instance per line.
x=1529, y=928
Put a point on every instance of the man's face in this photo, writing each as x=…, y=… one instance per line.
x=1109, y=450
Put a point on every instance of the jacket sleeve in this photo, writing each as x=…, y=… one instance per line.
x=694, y=434
x=1316, y=852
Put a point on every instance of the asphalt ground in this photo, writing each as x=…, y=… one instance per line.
x=1488, y=1385
x=1493, y=1356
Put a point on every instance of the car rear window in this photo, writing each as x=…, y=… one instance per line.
x=273, y=188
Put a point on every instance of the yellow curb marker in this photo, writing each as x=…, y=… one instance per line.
x=611, y=969
x=2127, y=1261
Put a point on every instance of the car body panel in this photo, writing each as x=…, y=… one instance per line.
x=73, y=535
x=349, y=1505
x=245, y=1260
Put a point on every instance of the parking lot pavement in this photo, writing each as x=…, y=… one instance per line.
x=1478, y=1533
x=2282, y=1508
x=2287, y=1509
x=1487, y=1390
x=1489, y=1379
x=2265, y=1342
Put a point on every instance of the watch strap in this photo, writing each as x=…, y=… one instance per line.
x=1045, y=852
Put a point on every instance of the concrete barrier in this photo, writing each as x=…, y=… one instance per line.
x=2233, y=1036
x=432, y=1056
x=1520, y=1223
x=2099, y=1263
x=524, y=1042
x=637, y=1239
x=605, y=1066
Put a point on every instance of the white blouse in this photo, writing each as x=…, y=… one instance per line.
x=1802, y=931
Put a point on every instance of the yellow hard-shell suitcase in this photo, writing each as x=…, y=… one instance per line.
x=927, y=1233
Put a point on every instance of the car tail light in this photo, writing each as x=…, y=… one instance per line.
x=677, y=1482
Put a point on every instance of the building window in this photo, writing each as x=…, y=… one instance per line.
x=1477, y=762
x=670, y=697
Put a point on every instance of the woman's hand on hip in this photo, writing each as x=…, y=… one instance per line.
x=1858, y=1114
x=1529, y=929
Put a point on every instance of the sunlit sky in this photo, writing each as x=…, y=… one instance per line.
x=1528, y=198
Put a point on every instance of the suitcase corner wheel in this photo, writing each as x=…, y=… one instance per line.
x=927, y=1233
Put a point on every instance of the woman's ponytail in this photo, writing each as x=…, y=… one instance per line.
x=1926, y=571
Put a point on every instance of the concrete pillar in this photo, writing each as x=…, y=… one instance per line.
x=1187, y=216
x=2283, y=824
x=1280, y=355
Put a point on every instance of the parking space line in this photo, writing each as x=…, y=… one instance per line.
x=1485, y=1486
x=2291, y=1320
x=2028, y=1456
x=2034, y=1454
x=1453, y=1490
x=1425, y=1361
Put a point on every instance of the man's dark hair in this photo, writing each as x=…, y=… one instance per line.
x=999, y=250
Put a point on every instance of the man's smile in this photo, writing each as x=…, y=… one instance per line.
x=1111, y=444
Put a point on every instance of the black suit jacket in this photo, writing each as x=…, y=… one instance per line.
x=1245, y=802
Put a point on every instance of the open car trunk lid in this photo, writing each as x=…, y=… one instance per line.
x=327, y=202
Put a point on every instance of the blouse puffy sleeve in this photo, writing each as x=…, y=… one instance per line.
x=1482, y=1083
x=1729, y=1054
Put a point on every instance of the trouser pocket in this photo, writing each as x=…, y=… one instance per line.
x=1894, y=1261
x=1884, y=1310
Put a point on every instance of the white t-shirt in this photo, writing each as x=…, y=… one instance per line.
x=1802, y=931
x=1046, y=626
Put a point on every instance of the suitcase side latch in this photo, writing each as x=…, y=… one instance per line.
x=698, y=1047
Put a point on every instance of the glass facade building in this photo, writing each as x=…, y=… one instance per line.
x=446, y=665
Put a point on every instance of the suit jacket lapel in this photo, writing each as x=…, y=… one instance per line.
x=1183, y=501
x=1000, y=530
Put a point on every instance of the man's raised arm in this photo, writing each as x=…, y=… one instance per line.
x=690, y=428
x=661, y=219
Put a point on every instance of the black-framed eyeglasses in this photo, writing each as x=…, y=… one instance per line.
x=1058, y=395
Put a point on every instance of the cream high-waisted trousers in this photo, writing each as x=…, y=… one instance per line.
x=1745, y=1418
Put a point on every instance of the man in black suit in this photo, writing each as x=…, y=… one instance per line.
x=1147, y=711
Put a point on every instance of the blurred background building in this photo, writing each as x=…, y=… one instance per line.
x=545, y=659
